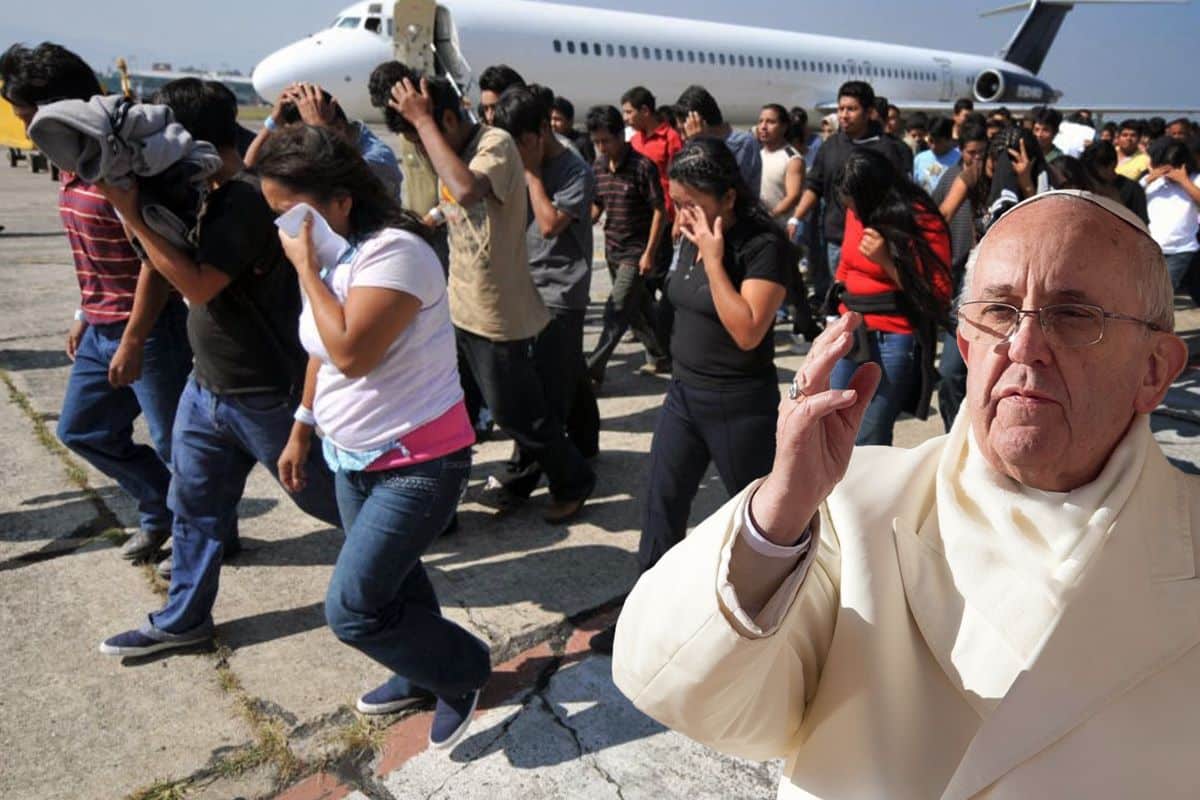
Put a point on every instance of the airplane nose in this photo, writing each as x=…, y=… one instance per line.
x=272, y=74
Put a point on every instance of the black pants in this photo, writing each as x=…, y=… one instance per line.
x=508, y=381
x=733, y=427
x=558, y=357
x=628, y=306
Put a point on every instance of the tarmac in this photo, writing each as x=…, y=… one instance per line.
x=268, y=712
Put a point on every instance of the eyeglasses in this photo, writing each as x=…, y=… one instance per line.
x=1064, y=324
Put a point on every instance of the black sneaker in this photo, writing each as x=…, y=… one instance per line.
x=451, y=719
x=143, y=642
x=392, y=697
x=144, y=544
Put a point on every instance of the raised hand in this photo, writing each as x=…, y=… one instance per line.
x=814, y=437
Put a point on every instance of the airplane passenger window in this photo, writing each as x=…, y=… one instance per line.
x=712, y=57
x=658, y=54
x=621, y=50
x=670, y=55
x=633, y=51
x=596, y=48
x=760, y=62
x=741, y=60
x=646, y=53
x=691, y=56
x=679, y=55
x=570, y=47
x=557, y=46
x=349, y=22
x=722, y=57
x=608, y=48
x=391, y=29
x=583, y=48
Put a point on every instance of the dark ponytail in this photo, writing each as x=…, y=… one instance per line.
x=319, y=162
x=891, y=203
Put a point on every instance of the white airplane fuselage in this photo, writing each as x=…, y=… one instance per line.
x=591, y=56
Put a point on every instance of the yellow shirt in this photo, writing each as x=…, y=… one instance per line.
x=491, y=290
x=1134, y=166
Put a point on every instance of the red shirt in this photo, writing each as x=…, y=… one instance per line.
x=660, y=146
x=105, y=263
x=863, y=276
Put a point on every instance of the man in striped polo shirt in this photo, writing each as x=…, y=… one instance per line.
x=129, y=338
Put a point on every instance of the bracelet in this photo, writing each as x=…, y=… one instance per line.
x=79, y=316
x=794, y=221
x=304, y=416
x=270, y=124
x=438, y=217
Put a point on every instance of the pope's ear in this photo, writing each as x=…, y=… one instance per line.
x=1167, y=358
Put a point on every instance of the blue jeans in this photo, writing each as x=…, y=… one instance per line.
x=380, y=600
x=217, y=440
x=1178, y=265
x=97, y=419
x=896, y=353
x=952, y=387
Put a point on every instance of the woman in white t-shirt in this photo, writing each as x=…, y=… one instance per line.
x=383, y=386
x=1173, y=203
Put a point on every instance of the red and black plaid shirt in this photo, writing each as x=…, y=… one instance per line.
x=629, y=194
x=105, y=262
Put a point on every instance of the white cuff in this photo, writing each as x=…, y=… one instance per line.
x=304, y=416
x=759, y=543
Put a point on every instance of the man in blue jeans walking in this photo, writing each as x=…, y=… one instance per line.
x=128, y=340
x=237, y=407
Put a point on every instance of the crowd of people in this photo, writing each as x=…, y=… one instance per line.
x=317, y=281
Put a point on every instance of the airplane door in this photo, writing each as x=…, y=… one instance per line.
x=947, y=82
x=414, y=30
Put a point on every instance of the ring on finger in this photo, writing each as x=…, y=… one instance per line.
x=794, y=391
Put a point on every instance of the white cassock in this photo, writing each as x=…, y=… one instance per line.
x=955, y=635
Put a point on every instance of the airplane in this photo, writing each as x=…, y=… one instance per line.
x=570, y=47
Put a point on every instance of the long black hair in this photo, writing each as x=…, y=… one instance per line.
x=891, y=203
x=707, y=165
x=320, y=162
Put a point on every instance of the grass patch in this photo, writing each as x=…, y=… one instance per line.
x=75, y=471
x=162, y=790
x=360, y=736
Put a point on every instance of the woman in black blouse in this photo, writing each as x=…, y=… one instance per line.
x=731, y=278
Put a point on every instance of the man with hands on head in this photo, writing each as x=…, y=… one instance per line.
x=310, y=104
x=494, y=304
x=1007, y=611
x=238, y=406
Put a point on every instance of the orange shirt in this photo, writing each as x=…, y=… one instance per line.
x=660, y=146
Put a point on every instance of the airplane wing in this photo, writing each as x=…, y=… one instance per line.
x=942, y=107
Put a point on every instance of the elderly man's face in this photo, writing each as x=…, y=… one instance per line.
x=1046, y=415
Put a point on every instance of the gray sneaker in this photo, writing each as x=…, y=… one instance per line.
x=144, y=544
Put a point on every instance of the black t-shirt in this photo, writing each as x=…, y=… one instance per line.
x=703, y=352
x=246, y=338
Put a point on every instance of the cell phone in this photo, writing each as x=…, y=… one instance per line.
x=329, y=245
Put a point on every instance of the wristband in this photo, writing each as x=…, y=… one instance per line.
x=270, y=124
x=794, y=221
x=437, y=216
x=304, y=416
x=79, y=317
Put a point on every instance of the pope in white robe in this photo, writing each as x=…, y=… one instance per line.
x=1008, y=611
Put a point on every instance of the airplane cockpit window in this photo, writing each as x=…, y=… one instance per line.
x=374, y=24
x=349, y=22
x=391, y=29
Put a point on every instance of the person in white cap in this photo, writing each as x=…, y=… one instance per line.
x=1007, y=611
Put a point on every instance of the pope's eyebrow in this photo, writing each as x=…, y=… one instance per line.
x=997, y=290
x=1006, y=291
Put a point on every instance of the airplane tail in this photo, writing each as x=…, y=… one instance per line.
x=1033, y=38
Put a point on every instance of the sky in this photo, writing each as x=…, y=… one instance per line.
x=1141, y=55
